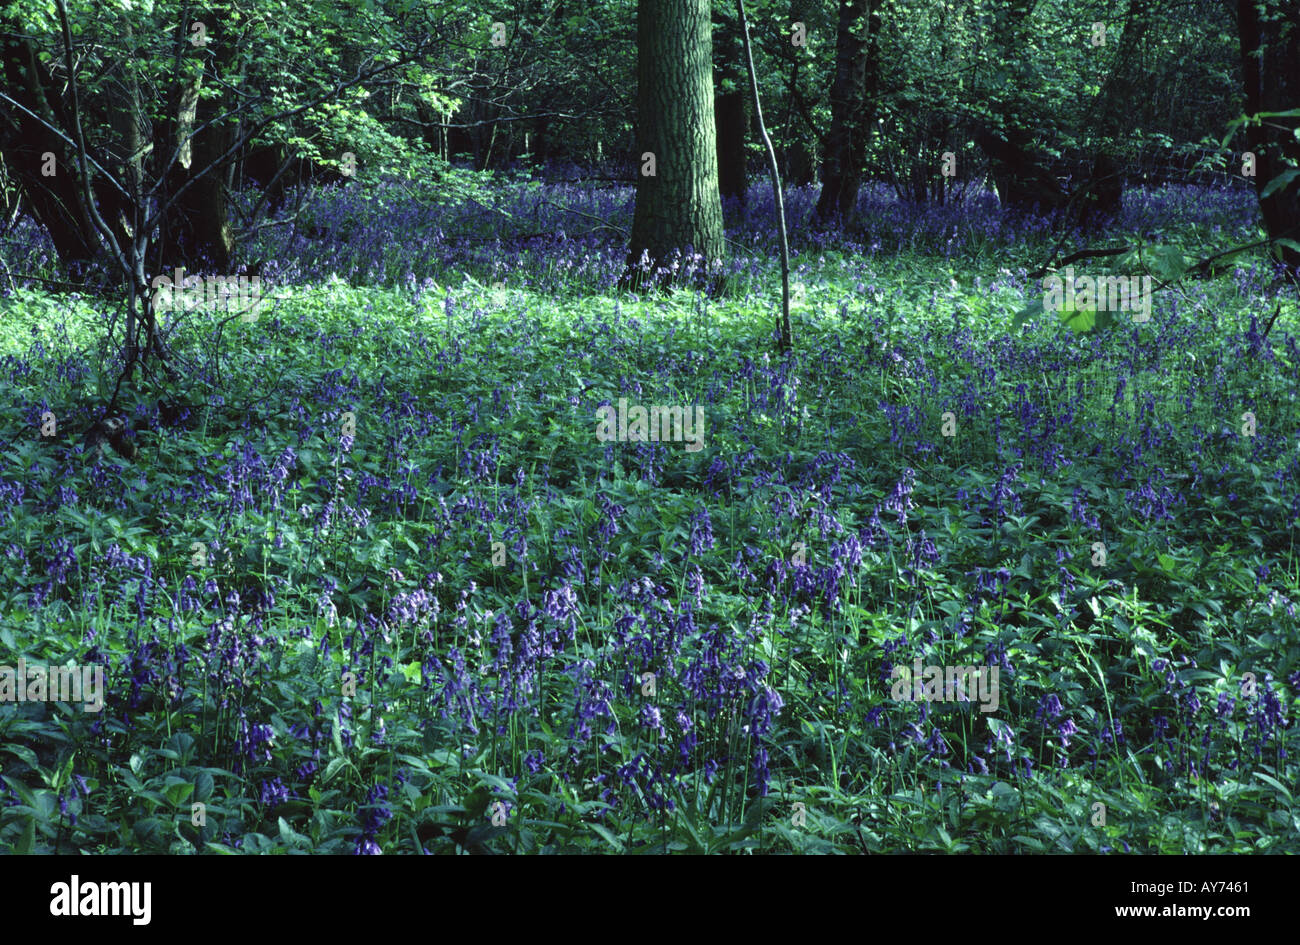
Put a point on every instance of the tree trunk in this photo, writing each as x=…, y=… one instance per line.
x=784, y=333
x=1023, y=181
x=729, y=105
x=1113, y=111
x=1022, y=178
x=852, y=109
x=197, y=232
x=55, y=201
x=678, y=206
x=1270, y=57
x=541, y=149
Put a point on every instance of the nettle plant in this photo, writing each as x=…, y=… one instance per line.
x=1088, y=302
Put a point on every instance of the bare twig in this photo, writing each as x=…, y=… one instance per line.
x=784, y=327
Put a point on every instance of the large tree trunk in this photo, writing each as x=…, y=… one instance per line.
x=55, y=201
x=678, y=206
x=203, y=209
x=1270, y=57
x=852, y=108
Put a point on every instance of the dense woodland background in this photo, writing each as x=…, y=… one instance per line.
x=364, y=576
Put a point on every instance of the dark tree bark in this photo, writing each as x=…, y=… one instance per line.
x=729, y=106
x=1269, y=31
x=732, y=180
x=58, y=202
x=852, y=98
x=800, y=164
x=1022, y=178
x=541, y=147
x=1113, y=111
x=265, y=167
x=55, y=201
x=1105, y=191
x=197, y=231
x=678, y=207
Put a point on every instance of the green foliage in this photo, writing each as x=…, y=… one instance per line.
x=483, y=397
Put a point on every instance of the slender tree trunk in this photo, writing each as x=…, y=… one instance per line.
x=198, y=232
x=677, y=207
x=783, y=327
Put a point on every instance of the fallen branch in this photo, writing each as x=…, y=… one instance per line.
x=1075, y=257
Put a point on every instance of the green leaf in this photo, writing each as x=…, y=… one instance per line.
x=1277, y=183
x=1168, y=262
x=27, y=843
x=291, y=836
x=1274, y=782
x=477, y=801
x=148, y=832
x=1033, y=310
x=604, y=833
x=23, y=791
x=25, y=754
x=1078, y=319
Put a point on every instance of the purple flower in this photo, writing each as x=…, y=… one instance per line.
x=377, y=814
x=701, y=538
x=651, y=719
x=900, y=498
x=273, y=793
x=1048, y=709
